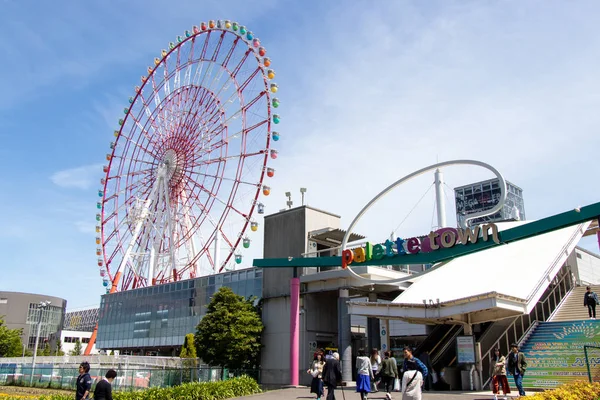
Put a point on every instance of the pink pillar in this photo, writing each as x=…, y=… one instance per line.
x=294, y=330
x=598, y=234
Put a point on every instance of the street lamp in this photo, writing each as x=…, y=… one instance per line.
x=41, y=306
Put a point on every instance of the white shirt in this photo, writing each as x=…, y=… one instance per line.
x=363, y=366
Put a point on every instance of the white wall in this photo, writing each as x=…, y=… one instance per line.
x=588, y=266
x=83, y=338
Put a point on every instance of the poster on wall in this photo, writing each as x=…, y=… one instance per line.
x=465, y=349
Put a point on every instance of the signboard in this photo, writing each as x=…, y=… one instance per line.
x=465, y=349
x=555, y=353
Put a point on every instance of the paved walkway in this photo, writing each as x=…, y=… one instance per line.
x=350, y=394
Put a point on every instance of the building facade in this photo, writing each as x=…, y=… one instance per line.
x=154, y=320
x=482, y=196
x=21, y=311
x=79, y=325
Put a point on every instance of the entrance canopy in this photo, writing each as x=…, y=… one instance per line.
x=492, y=284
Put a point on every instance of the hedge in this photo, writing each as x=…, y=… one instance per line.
x=578, y=390
x=221, y=390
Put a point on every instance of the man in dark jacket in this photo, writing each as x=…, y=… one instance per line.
x=84, y=382
x=103, y=390
x=590, y=300
x=332, y=374
x=517, y=366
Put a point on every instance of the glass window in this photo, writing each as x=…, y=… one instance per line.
x=226, y=278
x=234, y=277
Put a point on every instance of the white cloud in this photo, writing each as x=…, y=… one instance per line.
x=80, y=177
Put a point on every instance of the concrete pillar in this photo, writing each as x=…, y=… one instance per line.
x=294, y=330
x=373, y=338
x=344, y=335
x=384, y=334
x=468, y=329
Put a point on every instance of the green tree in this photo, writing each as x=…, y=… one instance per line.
x=10, y=341
x=58, y=351
x=112, y=353
x=229, y=334
x=77, y=349
x=46, y=350
x=188, y=350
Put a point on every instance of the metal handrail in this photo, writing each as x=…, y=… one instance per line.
x=504, y=335
x=553, y=263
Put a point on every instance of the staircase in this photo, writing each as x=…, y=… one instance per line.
x=572, y=308
x=555, y=352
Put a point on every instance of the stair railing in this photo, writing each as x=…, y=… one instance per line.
x=560, y=286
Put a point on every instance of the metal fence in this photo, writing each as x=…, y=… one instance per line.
x=127, y=379
x=98, y=359
x=592, y=362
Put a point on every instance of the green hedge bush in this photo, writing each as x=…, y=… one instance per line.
x=221, y=390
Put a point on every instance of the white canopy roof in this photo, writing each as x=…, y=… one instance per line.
x=502, y=281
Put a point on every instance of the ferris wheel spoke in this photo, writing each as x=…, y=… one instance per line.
x=230, y=52
x=238, y=67
x=211, y=194
x=226, y=179
x=150, y=116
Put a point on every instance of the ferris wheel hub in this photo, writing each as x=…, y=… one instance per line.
x=170, y=163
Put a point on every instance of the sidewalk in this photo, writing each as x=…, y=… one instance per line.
x=350, y=394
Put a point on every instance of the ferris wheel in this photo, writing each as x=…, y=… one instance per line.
x=188, y=163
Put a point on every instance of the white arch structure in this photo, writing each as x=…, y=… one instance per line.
x=493, y=210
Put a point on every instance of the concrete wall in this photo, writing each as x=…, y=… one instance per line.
x=14, y=307
x=286, y=235
x=275, y=356
x=587, y=266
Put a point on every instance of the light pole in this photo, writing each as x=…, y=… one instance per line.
x=41, y=306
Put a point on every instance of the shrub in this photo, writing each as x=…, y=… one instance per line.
x=221, y=390
x=578, y=390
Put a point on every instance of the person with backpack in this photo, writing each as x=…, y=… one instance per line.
x=590, y=300
x=84, y=382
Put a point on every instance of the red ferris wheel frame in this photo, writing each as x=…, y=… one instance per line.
x=171, y=102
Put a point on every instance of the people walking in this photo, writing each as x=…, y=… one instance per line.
x=103, y=390
x=517, y=364
x=316, y=370
x=364, y=374
x=426, y=360
x=376, y=367
x=389, y=373
x=332, y=374
x=84, y=382
x=590, y=300
x=498, y=374
x=412, y=379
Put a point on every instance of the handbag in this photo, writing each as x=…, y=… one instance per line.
x=396, y=385
x=410, y=381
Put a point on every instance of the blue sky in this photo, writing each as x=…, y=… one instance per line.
x=370, y=91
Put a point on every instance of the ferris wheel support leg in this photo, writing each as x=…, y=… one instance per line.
x=137, y=231
x=170, y=228
x=217, y=250
x=190, y=247
x=155, y=244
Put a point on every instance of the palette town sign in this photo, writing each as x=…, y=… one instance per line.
x=444, y=238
